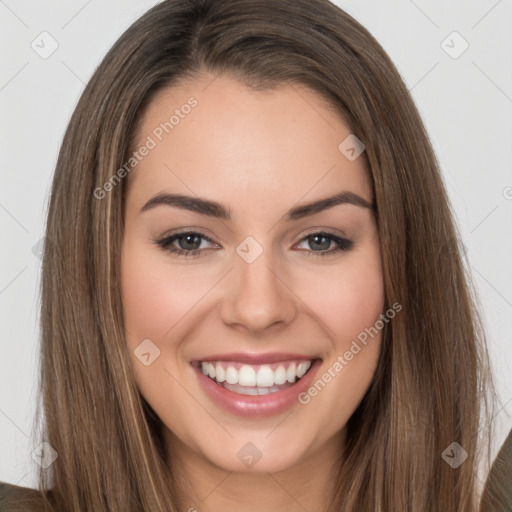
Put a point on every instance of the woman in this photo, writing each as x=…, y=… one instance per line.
x=197, y=352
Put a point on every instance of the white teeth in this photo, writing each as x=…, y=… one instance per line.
x=303, y=368
x=246, y=376
x=220, y=374
x=265, y=379
x=253, y=390
x=231, y=375
x=280, y=375
x=291, y=373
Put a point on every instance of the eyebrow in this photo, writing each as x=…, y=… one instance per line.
x=217, y=210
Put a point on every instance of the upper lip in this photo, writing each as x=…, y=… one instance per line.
x=251, y=358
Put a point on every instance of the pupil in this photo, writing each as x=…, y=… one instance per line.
x=187, y=239
x=324, y=246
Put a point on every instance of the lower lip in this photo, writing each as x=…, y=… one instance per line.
x=260, y=405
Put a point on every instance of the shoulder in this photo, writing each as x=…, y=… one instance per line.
x=14, y=498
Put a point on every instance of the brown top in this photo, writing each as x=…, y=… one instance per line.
x=14, y=498
x=497, y=496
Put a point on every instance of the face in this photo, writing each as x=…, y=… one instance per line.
x=245, y=310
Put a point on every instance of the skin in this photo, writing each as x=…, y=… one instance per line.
x=260, y=154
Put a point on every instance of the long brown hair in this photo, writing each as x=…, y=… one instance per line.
x=430, y=384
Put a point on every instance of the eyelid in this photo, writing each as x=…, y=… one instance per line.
x=206, y=233
x=316, y=229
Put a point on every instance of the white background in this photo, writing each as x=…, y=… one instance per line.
x=466, y=104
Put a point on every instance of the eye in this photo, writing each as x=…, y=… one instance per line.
x=322, y=241
x=188, y=244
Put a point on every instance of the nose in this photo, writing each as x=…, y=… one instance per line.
x=259, y=297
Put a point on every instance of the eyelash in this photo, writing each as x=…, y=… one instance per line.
x=344, y=244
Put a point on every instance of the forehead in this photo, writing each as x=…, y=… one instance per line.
x=217, y=137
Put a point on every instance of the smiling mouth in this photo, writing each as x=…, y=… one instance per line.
x=248, y=379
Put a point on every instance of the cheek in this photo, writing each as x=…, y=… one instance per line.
x=155, y=302
x=154, y=298
x=350, y=302
x=347, y=297
x=355, y=301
